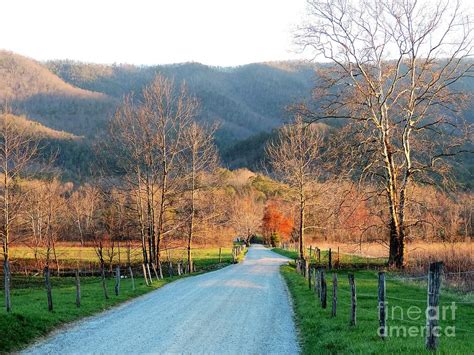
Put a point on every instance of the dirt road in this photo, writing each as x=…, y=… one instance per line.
x=241, y=309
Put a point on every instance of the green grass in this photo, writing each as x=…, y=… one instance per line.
x=321, y=334
x=69, y=253
x=30, y=318
x=341, y=260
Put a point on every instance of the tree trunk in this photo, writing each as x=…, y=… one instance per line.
x=396, y=246
x=104, y=285
x=7, y=276
x=301, y=226
x=190, y=235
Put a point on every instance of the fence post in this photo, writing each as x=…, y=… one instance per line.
x=324, y=290
x=117, y=280
x=432, y=312
x=382, y=307
x=317, y=285
x=353, y=299
x=334, y=295
x=309, y=277
x=310, y=251
x=220, y=255
x=329, y=259
x=306, y=267
x=319, y=255
x=78, y=289
x=47, y=282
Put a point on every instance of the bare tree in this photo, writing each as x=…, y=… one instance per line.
x=147, y=139
x=294, y=158
x=51, y=216
x=200, y=157
x=17, y=151
x=393, y=74
x=246, y=214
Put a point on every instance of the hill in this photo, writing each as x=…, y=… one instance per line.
x=32, y=89
x=246, y=100
x=74, y=156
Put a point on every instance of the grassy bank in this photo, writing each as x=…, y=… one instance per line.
x=30, y=318
x=319, y=333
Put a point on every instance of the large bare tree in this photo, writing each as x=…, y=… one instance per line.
x=17, y=151
x=147, y=138
x=200, y=157
x=393, y=74
x=294, y=157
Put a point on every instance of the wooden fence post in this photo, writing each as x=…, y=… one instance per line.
x=329, y=259
x=309, y=277
x=220, y=255
x=131, y=277
x=324, y=290
x=306, y=267
x=117, y=280
x=334, y=295
x=310, y=251
x=317, y=285
x=47, y=282
x=319, y=255
x=432, y=312
x=353, y=299
x=78, y=289
x=382, y=306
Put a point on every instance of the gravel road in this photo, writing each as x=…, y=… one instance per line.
x=241, y=309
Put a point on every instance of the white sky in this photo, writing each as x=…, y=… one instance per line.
x=212, y=32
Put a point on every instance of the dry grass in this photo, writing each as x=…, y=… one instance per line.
x=458, y=258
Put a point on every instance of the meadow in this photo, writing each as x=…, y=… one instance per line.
x=406, y=301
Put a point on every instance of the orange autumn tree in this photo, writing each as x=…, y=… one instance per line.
x=275, y=224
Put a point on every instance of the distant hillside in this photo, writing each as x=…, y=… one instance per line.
x=36, y=129
x=246, y=100
x=32, y=89
x=73, y=155
x=249, y=101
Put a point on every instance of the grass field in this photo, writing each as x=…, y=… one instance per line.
x=319, y=333
x=30, y=318
x=72, y=253
x=343, y=259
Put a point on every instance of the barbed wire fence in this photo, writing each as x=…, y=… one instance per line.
x=387, y=289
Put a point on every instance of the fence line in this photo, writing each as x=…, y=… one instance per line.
x=435, y=274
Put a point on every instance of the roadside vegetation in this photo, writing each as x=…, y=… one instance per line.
x=320, y=333
x=30, y=318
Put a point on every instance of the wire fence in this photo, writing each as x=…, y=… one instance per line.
x=381, y=291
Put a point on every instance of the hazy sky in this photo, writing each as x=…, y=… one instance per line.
x=225, y=32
